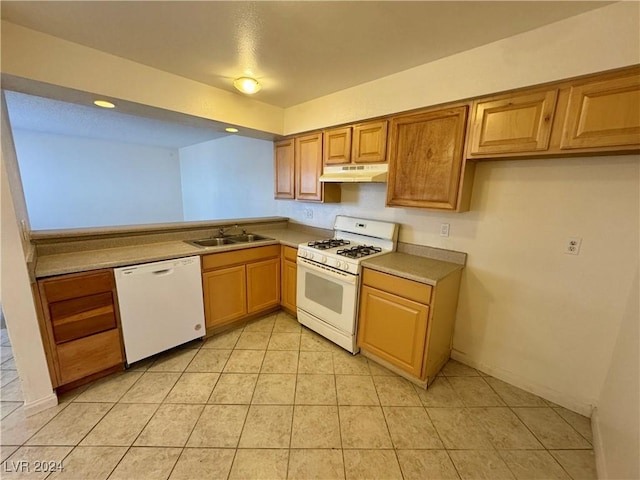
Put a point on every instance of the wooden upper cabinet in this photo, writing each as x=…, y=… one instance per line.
x=603, y=114
x=284, y=169
x=370, y=142
x=337, y=146
x=308, y=166
x=425, y=159
x=517, y=122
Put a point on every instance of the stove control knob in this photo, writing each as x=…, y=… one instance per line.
x=338, y=264
x=324, y=260
x=311, y=256
x=303, y=254
x=346, y=266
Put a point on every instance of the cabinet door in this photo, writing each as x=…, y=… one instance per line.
x=337, y=146
x=225, y=295
x=370, y=142
x=425, y=159
x=289, y=284
x=308, y=156
x=263, y=285
x=393, y=328
x=603, y=114
x=512, y=123
x=284, y=167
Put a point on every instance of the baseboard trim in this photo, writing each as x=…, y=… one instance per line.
x=559, y=398
x=37, y=406
x=598, y=448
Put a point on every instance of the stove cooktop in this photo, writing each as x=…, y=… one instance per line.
x=328, y=243
x=359, y=251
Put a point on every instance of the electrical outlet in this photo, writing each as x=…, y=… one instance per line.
x=444, y=230
x=308, y=213
x=572, y=247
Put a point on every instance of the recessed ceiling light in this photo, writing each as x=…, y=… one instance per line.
x=247, y=85
x=104, y=104
x=231, y=130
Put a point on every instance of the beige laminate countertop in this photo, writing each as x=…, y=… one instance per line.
x=413, y=267
x=82, y=261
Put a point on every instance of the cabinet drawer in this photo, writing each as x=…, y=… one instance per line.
x=77, y=285
x=236, y=257
x=80, y=317
x=89, y=355
x=418, y=292
x=289, y=253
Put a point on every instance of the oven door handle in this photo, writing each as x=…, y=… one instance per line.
x=343, y=277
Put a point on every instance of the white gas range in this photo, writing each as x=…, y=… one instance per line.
x=329, y=276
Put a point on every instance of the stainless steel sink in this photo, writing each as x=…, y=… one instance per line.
x=212, y=242
x=231, y=240
x=248, y=237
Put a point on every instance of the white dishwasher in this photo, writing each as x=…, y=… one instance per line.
x=161, y=305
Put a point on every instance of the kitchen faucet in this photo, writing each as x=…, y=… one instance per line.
x=221, y=230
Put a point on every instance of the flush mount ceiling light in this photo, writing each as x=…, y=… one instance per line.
x=247, y=85
x=231, y=130
x=104, y=104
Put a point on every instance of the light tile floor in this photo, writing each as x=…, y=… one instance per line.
x=274, y=400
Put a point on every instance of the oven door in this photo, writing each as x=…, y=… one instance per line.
x=328, y=294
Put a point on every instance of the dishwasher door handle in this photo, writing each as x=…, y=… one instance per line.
x=163, y=272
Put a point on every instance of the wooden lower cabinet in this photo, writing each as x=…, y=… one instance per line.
x=407, y=324
x=225, y=295
x=289, y=277
x=393, y=328
x=80, y=325
x=86, y=356
x=240, y=283
x=263, y=285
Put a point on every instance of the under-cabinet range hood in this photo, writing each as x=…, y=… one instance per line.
x=355, y=173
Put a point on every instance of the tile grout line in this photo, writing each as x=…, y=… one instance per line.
x=150, y=417
x=547, y=450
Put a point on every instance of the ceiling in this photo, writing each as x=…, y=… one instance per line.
x=298, y=50
x=38, y=114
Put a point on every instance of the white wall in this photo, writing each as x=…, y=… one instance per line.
x=78, y=182
x=598, y=40
x=231, y=177
x=528, y=313
x=617, y=419
x=17, y=300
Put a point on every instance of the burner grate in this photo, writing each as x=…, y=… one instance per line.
x=359, y=251
x=328, y=243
